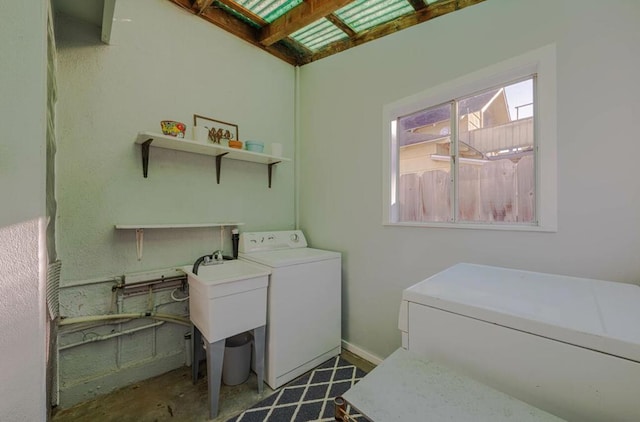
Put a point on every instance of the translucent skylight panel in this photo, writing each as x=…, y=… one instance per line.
x=318, y=34
x=269, y=10
x=364, y=14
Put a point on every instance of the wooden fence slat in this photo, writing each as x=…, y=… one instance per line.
x=410, y=203
x=434, y=188
x=468, y=193
x=526, y=189
x=497, y=190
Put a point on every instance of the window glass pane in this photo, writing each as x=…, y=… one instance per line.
x=496, y=176
x=424, y=167
x=465, y=154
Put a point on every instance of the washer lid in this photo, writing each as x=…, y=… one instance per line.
x=595, y=314
x=286, y=257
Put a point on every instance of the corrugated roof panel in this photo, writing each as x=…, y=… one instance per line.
x=318, y=34
x=269, y=10
x=364, y=14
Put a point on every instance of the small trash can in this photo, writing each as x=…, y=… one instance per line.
x=237, y=359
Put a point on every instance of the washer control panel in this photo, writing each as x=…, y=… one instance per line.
x=266, y=241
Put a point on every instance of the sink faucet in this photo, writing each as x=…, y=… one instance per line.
x=213, y=259
x=217, y=257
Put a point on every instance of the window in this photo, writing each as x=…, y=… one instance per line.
x=479, y=152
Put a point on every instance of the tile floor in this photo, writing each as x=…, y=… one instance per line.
x=173, y=397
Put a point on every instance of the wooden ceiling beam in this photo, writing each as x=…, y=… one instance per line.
x=203, y=5
x=238, y=28
x=297, y=18
x=334, y=19
x=417, y=4
x=432, y=11
x=299, y=50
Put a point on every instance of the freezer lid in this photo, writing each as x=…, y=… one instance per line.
x=595, y=314
x=287, y=257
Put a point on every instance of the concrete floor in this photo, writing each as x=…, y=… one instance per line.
x=173, y=397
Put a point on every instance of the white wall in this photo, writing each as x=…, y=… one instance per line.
x=22, y=189
x=164, y=63
x=598, y=195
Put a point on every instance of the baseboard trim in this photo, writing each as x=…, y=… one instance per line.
x=358, y=351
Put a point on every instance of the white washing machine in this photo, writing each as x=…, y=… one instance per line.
x=303, y=302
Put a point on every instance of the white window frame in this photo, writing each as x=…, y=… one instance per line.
x=541, y=62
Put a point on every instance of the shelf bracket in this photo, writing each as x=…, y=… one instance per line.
x=219, y=164
x=145, y=156
x=139, y=240
x=269, y=170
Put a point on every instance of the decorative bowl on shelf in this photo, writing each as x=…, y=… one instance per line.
x=235, y=144
x=172, y=128
x=255, y=146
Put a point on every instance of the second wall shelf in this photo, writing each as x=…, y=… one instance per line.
x=139, y=228
x=149, y=139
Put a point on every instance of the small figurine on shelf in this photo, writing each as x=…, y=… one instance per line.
x=173, y=128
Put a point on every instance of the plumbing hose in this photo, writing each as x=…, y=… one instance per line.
x=178, y=299
x=162, y=317
x=186, y=323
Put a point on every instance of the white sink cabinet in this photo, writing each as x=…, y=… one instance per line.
x=225, y=300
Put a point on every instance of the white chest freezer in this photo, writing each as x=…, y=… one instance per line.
x=568, y=345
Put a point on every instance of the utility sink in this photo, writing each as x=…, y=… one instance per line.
x=228, y=299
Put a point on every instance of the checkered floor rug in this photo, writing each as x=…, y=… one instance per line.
x=308, y=398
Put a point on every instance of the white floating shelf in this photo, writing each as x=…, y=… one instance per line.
x=147, y=139
x=140, y=228
x=196, y=147
x=175, y=226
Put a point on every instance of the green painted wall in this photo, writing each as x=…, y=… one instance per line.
x=164, y=63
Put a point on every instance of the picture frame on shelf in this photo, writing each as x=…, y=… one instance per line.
x=217, y=129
